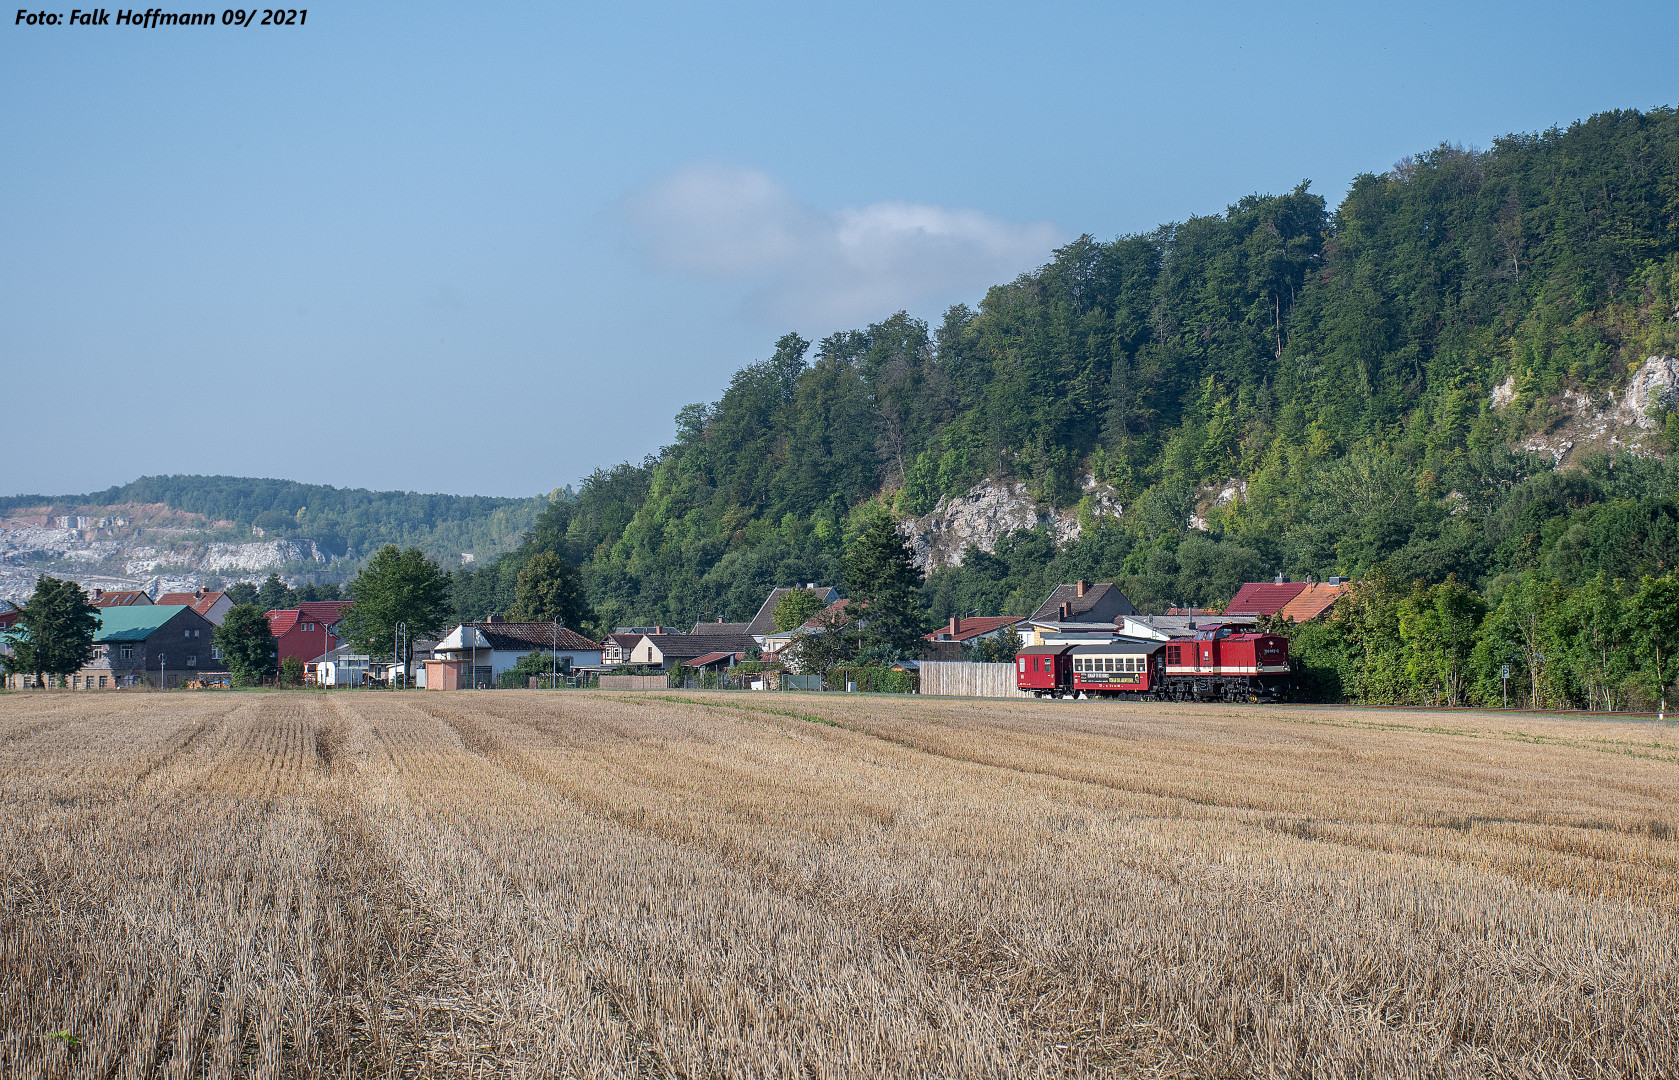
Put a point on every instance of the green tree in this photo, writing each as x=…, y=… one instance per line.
x=1595, y=636
x=243, y=592
x=1653, y=615
x=247, y=646
x=885, y=588
x=538, y=665
x=1526, y=621
x=54, y=632
x=274, y=595
x=796, y=608
x=291, y=671
x=1438, y=626
x=1000, y=649
x=550, y=588
x=834, y=641
x=396, y=585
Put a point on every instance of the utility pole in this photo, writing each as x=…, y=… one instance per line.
x=554, y=655
x=160, y=661
x=397, y=641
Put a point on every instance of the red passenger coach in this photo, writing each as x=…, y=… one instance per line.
x=1123, y=668
x=1044, y=670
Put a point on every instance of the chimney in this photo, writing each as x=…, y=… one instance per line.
x=955, y=624
x=198, y=593
x=1066, y=610
x=1279, y=580
x=98, y=593
x=1083, y=585
x=493, y=619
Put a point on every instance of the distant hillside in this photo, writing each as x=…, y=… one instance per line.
x=341, y=521
x=1280, y=386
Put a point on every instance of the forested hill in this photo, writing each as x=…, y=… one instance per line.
x=340, y=520
x=1339, y=360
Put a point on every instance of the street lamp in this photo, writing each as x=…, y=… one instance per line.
x=398, y=638
x=554, y=655
x=160, y=662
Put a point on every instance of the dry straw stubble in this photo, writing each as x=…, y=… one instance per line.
x=600, y=884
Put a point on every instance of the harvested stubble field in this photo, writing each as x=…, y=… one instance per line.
x=751, y=885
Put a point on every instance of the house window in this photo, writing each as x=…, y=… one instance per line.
x=192, y=661
x=102, y=683
x=127, y=652
x=215, y=652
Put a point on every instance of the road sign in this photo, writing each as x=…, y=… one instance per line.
x=1504, y=672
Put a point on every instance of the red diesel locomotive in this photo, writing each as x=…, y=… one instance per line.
x=1217, y=664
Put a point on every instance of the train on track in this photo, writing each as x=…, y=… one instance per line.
x=1216, y=664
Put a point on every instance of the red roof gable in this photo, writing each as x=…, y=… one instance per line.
x=200, y=602
x=1314, y=601
x=970, y=628
x=120, y=598
x=279, y=622
x=1263, y=597
x=324, y=611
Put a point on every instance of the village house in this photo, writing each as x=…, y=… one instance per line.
x=1077, y=614
x=666, y=651
x=475, y=654
x=615, y=647
x=762, y=625
x=158, y=645
x=212, y=605
x=947, y=641
x=308, y=630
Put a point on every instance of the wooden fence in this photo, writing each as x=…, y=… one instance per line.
x=634, y=682
x=951, y=679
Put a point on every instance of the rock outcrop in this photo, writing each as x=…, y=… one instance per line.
x=1621, y=422
x=985, y=512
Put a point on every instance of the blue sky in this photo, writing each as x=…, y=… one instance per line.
x=488, y=248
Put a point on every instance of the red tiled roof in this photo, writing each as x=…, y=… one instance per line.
x=122, y=598
x=324, y=611
x=279, y=622
x=968, y=629
x=201, y=603
x=1263, y=597
x=1316, y=599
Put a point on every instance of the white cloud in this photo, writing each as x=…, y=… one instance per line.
x=807, y=265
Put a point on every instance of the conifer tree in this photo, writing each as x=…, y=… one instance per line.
x=885, y=587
